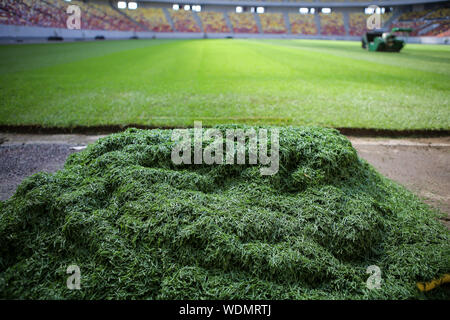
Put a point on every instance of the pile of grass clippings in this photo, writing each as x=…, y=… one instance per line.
x=140, y=227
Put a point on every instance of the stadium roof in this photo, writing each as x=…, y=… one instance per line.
x=382, y=3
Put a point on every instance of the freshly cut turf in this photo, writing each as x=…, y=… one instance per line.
x=139, y=226
x=174, y=82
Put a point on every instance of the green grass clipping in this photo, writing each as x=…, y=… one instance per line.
x=140, y=227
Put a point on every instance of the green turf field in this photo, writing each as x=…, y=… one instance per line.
x=174, y=82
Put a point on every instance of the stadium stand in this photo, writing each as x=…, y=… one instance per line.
x=273, y=23
x=32, y=13
x=332, y=24
x=445, y=33
x=437, y=23
x=302, y=24
x=441, y=29
x=96, y=16
x=357, y=24
x=152, y=18
x=426, y=22
x=385, y=18
x=243, y=22
x=92, y=19
x=114, y=19
x=8, y=18
x=104, y=15
x=414, y=25
x=439, y=14
x=413, y=15
x=345, y=0
x=213, y=22
x=184, y=21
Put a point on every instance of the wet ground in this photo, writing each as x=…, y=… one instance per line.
x=420, y=164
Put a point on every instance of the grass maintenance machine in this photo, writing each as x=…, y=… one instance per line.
x=384, y=41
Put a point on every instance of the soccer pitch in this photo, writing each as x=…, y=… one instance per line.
x=167, y=83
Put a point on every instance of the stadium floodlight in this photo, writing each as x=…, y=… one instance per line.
x=187, y=7
x=312, y=11
x=132, y=5
x=369, y=10
x=260, y=10
x=326, y=10
x=252, y=9
x=121, y=5
x=239, y=9
x=175, y=7
x=303, y=10
x=197, y=8
x=377, y=10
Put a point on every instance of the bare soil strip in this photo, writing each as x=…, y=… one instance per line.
x=106, y=129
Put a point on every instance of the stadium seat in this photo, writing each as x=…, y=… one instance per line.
x=440, y=29
x=116, y=20
x=413, y=15
x=152, y=18
x=10, y=18
x=32, y=12
x=102, y=15
x=213, y=22
x=414, y=25
x=184, y=21
x=357, y=24
x=243, y=22
x=52, y=13
x=439, y=14
x=272, y=23
x=302, y=24
x=332, y=24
